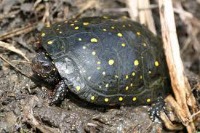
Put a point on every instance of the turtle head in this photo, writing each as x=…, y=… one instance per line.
x=44, y=68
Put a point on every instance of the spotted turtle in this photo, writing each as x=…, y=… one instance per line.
x=103, y=61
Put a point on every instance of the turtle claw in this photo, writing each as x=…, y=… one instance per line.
x=59, y=94
x=155, y=109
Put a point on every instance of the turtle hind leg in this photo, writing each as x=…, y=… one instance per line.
x=60, y=93
x=156, y=108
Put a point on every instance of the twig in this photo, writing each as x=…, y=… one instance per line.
x=17, y=69
x=18, y=31
x=13, y=49
x=180, y=84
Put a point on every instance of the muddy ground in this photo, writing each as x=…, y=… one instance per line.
x=24, y=103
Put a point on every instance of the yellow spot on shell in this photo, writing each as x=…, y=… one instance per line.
x=93, y=53
x=156, y=63
x=71, y=24
x=112, y=27
x=116, y=76
x=98, y=68
x=126, y=87
x=92, y=98
x=144, y=44
x=126, y=76
x=149, y=72
x=105, y=17
x=43, y=34
x=119, y=34
x=106, y=99
x=84, y=47
x=48, y=25
x=76, y=28
x=104, y=73
x=148, y=100
x=85, y=23
x=107, y=85
x=123, y=26
x=50, y=42
x=104, y=30
x=123, y=44
x=111, y=62
x=60, y=32
x=141, y=77
x=133, y=73
x=131, y=84
x=80, y=39
x=138, y=33
x=134, y=99
x=98, y=62
x=78, y=88
x=136, y=62
x=94, y=40
x=120, y=99
x=89, y=77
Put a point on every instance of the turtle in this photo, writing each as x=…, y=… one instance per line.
x=102, y=60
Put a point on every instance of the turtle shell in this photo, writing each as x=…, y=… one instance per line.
x=108, y=61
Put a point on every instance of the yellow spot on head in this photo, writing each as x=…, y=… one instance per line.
x=136, y=62
x=148, y=100
x=138, y=33
x=92, y=98
x=120, y=99
x=50, y=42
x=111, y=62
x=84, y=47
x=156, y=63
x=76, y=28
x=94, y=40
x=104, y=30
x=48, y=25
x=78, y=88
x=106, y=99
x=43, y=34
x=134, y=99
x=123, y=44
x=126, y=87
x=80, y=39
x=98, y=62
x=85, y=23
x=119, y=34
x=133, y=73
x=126, y=76
x=54, y=69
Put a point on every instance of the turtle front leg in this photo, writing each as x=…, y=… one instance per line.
x=60, y=93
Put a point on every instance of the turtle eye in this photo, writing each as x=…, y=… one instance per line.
x=47, y=68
